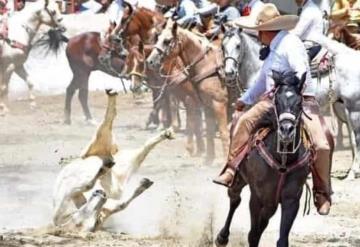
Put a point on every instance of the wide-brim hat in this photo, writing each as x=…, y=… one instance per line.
x=267, y=18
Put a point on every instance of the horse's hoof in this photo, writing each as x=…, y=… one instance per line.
x=351, y=175
x=146, y=183
x=67, y=122
x=221, y=241
x=91, y=122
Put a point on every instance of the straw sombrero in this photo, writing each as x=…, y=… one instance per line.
x=268, y=18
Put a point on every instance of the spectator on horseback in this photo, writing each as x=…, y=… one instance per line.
x=310, y=25
x=116, y=12
x=185, y=13
x=284, y=52
x=225, y=13
x=112, y=42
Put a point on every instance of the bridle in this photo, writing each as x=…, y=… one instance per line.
x=233, y=83
x=295, y=120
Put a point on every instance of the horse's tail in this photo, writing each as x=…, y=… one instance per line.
x=334, y=47
x=52, y=41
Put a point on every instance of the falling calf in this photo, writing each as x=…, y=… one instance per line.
x=103, y=169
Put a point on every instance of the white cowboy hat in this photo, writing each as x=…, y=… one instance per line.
x=268, y=18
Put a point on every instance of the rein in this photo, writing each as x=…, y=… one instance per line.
x=304, y=160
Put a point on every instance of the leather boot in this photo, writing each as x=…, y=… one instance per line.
x=321, y=181
x=322, y=203
x=226, y=178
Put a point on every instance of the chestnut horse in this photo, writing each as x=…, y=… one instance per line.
x=83, y=51
x=175, y=84
x=202, y=62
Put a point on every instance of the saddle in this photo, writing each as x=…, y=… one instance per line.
x=321, y=64
x=260, y=136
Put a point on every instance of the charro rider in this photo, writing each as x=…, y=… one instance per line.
x=286, y=52
x=225, y=12
x=310, y=25
x=115, y=12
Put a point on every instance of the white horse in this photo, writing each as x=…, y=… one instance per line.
x=242, y=61
x=15, y=50
x=105, y=171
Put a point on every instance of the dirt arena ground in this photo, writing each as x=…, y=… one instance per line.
x=182, y=208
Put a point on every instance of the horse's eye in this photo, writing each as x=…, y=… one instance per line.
x=166, y=41
x=238, y=47
x=52, y=12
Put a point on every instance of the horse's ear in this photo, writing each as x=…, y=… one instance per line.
x=302, y=81
x=276, y=77
x=174, y=29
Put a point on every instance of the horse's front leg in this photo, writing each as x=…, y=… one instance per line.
x=222, y=238
x=289, y=210
x=260, y=216
x=22, y=73
x=353, y=119
x=210, y=135
x=5, y=74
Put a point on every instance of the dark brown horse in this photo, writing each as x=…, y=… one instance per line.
x=275, y=170
x=83, y=51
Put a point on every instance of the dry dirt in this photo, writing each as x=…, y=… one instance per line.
x=182, y=208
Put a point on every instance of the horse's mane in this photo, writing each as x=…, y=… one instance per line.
x=194, y=36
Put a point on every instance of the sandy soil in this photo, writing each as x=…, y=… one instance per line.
x=182, y=208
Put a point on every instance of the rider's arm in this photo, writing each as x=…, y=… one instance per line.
x=256, y=90
x=297, y=58
x=305, y=21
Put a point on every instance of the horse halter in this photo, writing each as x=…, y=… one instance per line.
x=165, y=52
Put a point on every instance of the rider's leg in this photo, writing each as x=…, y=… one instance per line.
x=322, y=164
x=241, y=131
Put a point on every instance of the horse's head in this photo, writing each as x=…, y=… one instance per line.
x=166, y=45
x=135, y=62
x=288, y=107
x=49, y=14
x=232, y=50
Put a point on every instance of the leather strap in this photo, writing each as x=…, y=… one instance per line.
x=306, y=158
x=204, y=75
